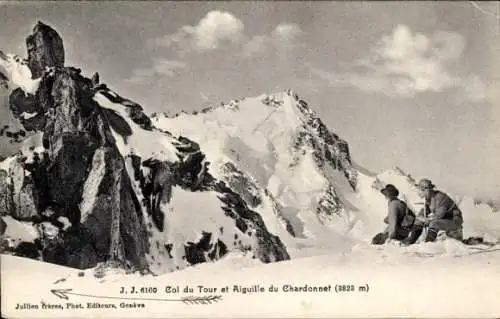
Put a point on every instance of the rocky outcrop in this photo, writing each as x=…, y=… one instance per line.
x=3, y=81
x=6, y=192
x=90, y=202
x=117, y=123
x=191, y=173
x=22, y=102
x=3, y=226
x=95, y=79
x=27, y=110
x=328, y=147
x=242, y=184
x=45, y=49
x=71, y=156
x=157, y=189
x=134, y=110
x=111, y=212
x=76, y=134
x=24, y=195
x=329, y=204
x=270, y=247
x=204, y=250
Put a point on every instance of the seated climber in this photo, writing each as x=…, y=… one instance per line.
x=441, y=213
x=400, y=219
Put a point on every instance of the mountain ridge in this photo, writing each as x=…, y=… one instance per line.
x=91, y=165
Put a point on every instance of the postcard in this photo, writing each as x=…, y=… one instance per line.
x=241, y=159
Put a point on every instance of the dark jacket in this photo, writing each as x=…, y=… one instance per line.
x=441, y=206
x=399, y=219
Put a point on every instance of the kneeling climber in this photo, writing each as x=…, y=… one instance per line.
x=441, y=213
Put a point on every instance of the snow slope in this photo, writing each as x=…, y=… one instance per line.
x=401, y=284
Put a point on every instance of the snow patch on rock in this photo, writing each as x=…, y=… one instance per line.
x=18, y=73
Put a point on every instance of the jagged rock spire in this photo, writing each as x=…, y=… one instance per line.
x=45, y=49
x=111, y=201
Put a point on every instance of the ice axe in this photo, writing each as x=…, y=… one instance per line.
x=424, y=230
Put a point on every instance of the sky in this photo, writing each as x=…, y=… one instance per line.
x=408, y=84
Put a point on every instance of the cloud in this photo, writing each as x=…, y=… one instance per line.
x=215, y=28
x=160, y=67
x=287, y=31
x=404, y=64
x=281, y=40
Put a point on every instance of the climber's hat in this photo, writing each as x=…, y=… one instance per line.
x=390, y=189
x=425, y=183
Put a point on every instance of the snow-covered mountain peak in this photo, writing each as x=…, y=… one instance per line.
x=276, y=142
x=279, y=127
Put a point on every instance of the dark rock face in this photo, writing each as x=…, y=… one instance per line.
x=3, y=226
x=198, y=252
x=83, y=258
x=26, y=249
x=242, y=185
x=76, y=131
x=95, y=79
x=45, y=49
x=22, y=102
x=23, y=193
x=158, y=190
x=71, y=157
x=134, y=110
x=271, y=248
x=118, y=124
x=6, y=193
x=3, y=80
x=329, y=204
x=44, y=93
x=191, y=174
x=328, y=147
x=25, y=107
x=115, y=219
